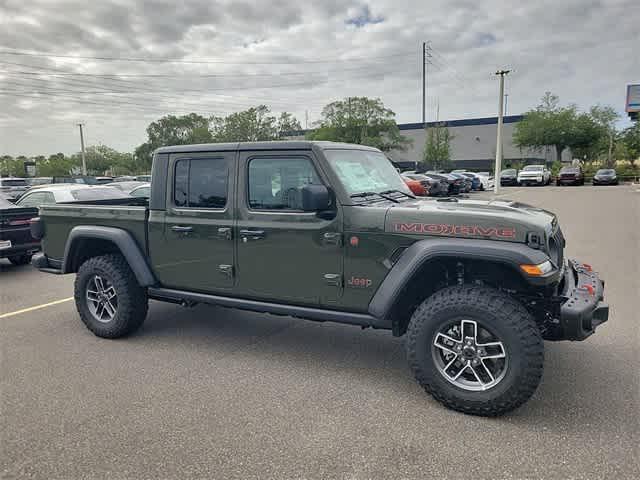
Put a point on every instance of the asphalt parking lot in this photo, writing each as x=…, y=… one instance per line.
x=213, y=393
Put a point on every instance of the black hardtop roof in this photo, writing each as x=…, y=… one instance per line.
x=275, y=145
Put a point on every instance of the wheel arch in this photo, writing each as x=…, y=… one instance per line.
x=87, y=241
x=429, y=265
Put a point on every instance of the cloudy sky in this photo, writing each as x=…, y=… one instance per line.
x=118, y=65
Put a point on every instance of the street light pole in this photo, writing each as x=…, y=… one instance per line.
x=496, y=181
x=84, y=160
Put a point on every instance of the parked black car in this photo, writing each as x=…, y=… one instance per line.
x=16, y=242
x=509, y=177
x=435, y=186
x=454, y=185
x=605, y=176
x=467, y=183
x=570, y=175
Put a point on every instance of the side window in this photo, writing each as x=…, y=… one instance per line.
x=49, y=199
x=274, y=182
x=201, y=183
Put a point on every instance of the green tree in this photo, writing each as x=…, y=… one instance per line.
x=101, y=159
x=56, y=165
x=437, y=147
x=6, y=161
x=173, y=130
x=360, y=120
x=252, y=125
x=629, y=139
x=287, y=123
x=12, y=167
x=605, y=117
x=560, y=127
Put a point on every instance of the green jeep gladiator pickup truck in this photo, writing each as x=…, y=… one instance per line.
x=329, y=232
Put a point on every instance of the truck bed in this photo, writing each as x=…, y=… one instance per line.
x=60, y=219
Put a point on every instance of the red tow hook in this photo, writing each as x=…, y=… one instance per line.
x=589, y=288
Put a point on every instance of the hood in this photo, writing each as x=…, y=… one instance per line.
x=466, y=218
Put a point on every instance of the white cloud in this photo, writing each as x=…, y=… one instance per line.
x=584, y=51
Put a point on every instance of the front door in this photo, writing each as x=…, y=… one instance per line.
x=285, y=254
x=197, y=250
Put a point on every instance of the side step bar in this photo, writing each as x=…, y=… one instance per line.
x=309, y=313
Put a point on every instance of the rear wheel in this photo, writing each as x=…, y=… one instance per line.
x=476, y=350
x=20, y=259
x=108, y=297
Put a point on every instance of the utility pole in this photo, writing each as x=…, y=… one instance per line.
x=306, y=119
x=496, y=182
x=426, y=58
x=506, y=103
x=424, y=81
x=84, y=160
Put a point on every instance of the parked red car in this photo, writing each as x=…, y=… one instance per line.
x=416, y=187
x=570, y=176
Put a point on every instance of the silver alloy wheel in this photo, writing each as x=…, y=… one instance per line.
x=469, y=356
x=102, y=300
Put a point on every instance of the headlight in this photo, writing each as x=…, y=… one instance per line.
x=537, y=270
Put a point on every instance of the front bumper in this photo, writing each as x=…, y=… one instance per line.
x=604, y=181
x=530, y=181
x=568, y=181
x=582, y=308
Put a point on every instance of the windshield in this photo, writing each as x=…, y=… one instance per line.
x=365, y=171
x=605, y=172
x=532, y=167
x=509, y=171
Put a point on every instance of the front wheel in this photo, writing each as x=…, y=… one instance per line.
x=476, y=350
x=108, y=297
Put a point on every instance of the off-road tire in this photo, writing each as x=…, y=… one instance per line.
x=132, y=298
x=20, y=259
x=502, y=314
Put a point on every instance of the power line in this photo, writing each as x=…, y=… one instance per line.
x=191, y=75
x=202, y=61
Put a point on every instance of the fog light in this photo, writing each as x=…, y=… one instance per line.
x=537, y=270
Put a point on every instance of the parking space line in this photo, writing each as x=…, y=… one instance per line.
x=36, y=307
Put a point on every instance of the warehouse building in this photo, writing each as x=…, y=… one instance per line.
x=474, y=144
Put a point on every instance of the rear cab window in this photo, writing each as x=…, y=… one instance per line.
x=201, y=182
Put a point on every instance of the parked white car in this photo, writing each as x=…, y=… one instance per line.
x=534, y=175
x=486, y=180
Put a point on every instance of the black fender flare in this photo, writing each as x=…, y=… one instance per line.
x=121, y=239
x=506, y=253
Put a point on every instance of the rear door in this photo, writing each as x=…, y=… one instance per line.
x=284, y=254
x=196, y=249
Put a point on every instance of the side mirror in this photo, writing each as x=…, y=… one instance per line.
x=314, y=198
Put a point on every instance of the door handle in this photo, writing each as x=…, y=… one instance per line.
x=251, y=234
x=182, y=228
x=225, y=233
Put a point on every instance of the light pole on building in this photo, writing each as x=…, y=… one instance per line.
x=496, y=183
